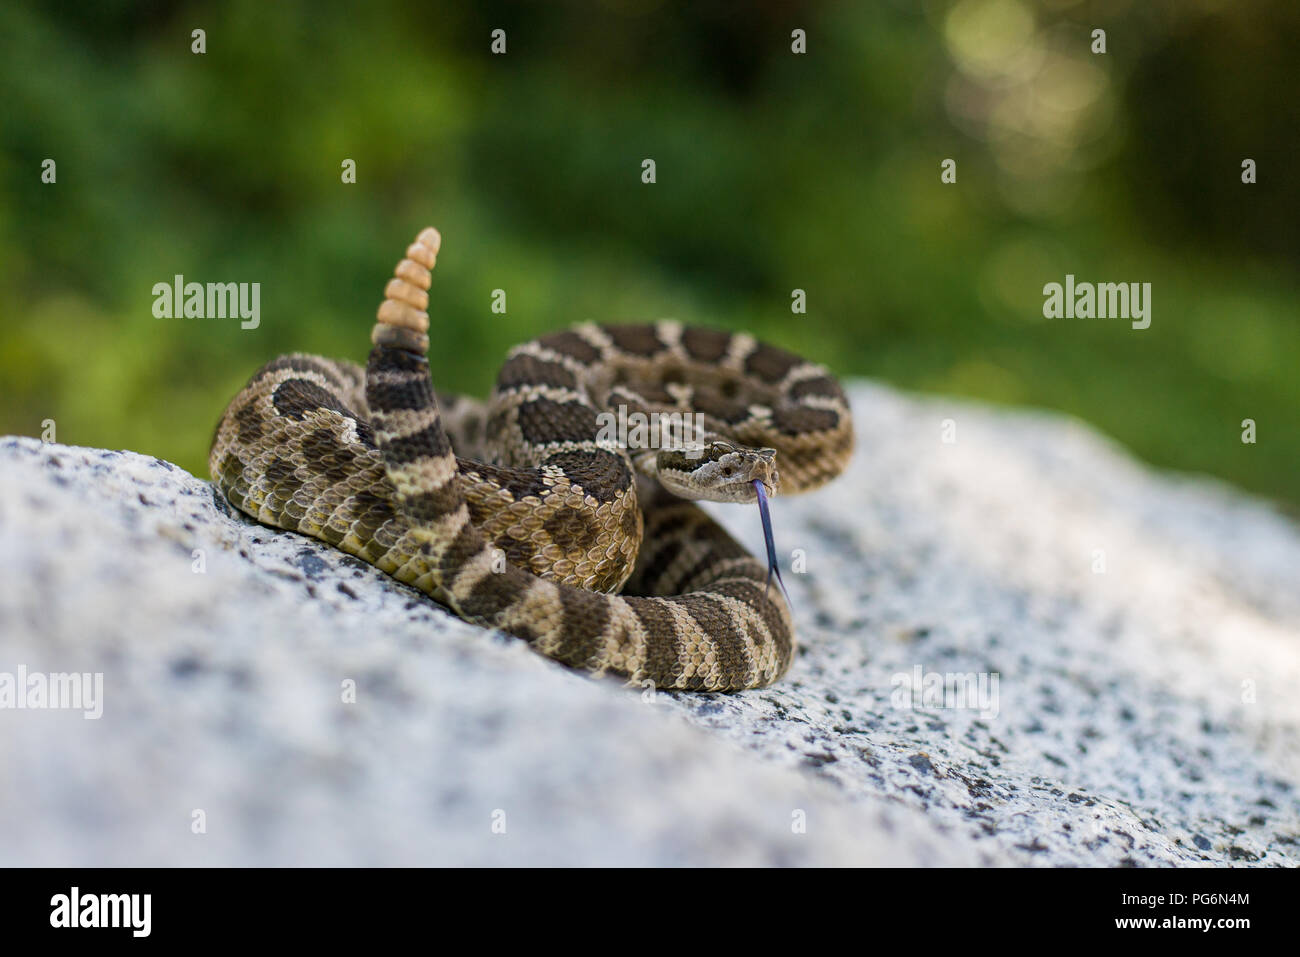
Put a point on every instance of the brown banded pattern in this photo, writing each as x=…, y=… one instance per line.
x=515, y=514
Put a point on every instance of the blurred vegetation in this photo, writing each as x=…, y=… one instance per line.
x=775, y=171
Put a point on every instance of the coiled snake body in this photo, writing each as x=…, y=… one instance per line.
x=522, y=514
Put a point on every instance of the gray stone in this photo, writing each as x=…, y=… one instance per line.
x=1144, y=631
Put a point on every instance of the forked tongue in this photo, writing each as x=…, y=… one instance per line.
x=772, y=567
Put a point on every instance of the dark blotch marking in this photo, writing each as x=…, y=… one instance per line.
x=492, y=594
x=337, y=461
x=519, y=553
x=366, y=502
x=629, y=524
x=585, y=616
x=819, y=386
x=248, y=423
x=392, y=396
x=664, y=647
x=530, y=370
x=571, y=344
x=466, y=545
x=771, y=364
x=706, y=345
x=543, y=420
x=520, y=483
x=602, y=475
x=637, y=340
x=296, y=397
x=711, y=402
x=428, y=506
x=717, y=623
x=570, y=528
x=755, y=596
x=385, y=359
x=431, y=441
x=524, y=632
x=795, y=420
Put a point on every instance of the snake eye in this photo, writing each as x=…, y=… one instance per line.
x=728, y=470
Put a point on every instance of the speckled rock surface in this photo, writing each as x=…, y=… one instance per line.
x=1135, y=637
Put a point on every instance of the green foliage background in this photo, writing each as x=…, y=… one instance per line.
x=775, y=171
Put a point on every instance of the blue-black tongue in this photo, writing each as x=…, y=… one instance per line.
x=772, y=567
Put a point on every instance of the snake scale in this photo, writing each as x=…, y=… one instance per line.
x=521, y=514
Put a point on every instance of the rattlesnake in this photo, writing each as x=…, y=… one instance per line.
x=538, y=523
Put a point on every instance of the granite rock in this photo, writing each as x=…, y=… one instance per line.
x=1017, y=648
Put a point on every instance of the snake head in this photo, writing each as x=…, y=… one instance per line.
x=720, y=472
